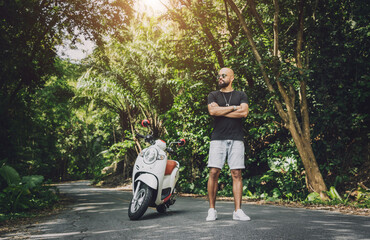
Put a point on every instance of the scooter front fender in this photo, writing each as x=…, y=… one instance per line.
x=149, y=180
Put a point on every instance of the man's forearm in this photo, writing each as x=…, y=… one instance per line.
x=237, y=114
x=230, y=111
x=220, y=111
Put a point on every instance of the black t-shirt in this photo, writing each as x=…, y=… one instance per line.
x=225, y=128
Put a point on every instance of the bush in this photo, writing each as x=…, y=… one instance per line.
x=20, y=194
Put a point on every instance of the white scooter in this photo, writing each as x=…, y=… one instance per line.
x=154, y=177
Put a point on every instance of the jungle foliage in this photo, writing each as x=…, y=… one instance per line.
x=65, y=120
x=20, y=194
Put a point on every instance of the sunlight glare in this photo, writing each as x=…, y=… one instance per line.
x=153, y=6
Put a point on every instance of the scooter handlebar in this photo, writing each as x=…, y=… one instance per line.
x=138, y=135
x=171, y=151
x=147, y=138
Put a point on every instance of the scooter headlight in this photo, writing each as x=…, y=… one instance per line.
x=150, y=155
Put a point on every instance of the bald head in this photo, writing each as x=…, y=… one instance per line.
x=225, y=78
x=227, y=71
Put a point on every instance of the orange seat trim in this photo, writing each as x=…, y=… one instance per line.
x=171, y=164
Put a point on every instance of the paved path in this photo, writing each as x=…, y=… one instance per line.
x=100, y=213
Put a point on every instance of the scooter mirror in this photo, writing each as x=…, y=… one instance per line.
x=145, y=123
x=182, y=142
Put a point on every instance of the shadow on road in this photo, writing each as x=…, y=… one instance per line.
x=99, y=213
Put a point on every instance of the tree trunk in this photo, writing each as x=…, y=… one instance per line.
x=314, y=179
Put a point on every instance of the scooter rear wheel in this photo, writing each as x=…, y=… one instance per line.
x=139, y=205
x=161, y=208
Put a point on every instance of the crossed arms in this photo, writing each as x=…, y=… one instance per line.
x=241, y=111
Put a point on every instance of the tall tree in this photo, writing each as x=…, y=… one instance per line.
x=202, y=16
x=131, y=77
x=30, y=30
x=284, y=92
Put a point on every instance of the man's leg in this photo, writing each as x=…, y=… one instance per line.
x=214, y=173
x=237, y=187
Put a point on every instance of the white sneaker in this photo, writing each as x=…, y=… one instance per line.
x=212, y=214
x=240, y=215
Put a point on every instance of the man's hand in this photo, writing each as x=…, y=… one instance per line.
x=241, y=111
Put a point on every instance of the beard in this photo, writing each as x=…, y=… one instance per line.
x=223, y=84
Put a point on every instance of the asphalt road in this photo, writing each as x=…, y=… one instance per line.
x=100, y=213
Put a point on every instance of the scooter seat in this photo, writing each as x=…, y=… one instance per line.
x=171, y=164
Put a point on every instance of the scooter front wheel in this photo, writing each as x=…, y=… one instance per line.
x=139, y=204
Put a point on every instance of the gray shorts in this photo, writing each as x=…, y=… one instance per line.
x=233, y=150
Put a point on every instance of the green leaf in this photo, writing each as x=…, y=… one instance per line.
x=313, y=196
x=334, y=195
x=10, y=175
x=32, y=181
x=276, y=193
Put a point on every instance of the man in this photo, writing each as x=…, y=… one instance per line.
x=228, y=107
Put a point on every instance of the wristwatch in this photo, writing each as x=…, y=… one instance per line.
x=234, y=109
